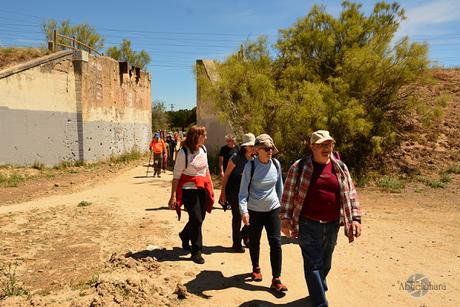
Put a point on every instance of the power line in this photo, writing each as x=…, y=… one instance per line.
x=152, y=32
x=178, y=33
x=21, y=14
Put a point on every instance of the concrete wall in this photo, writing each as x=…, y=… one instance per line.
x=116, y=109
x=72, y=107
x=38, y=114
x=205, y=111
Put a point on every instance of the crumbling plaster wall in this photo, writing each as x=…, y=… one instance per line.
x=71, y=106
x=116, y=109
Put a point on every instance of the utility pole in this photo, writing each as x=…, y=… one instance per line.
x=172, y=107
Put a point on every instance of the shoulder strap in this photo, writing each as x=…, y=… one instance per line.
x=300, y=166
x=277, y=165
x=253, y=168
x=341, y=164
x=186, y=155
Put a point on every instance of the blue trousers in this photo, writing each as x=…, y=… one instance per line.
x=271, y=221
x=317, y=242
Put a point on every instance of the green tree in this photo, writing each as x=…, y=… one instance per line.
x=126, y=54
x=83, y=32
x=359, y=73
x=182, y=118
x=245, y=93
x=160, y=119
x=346, y=74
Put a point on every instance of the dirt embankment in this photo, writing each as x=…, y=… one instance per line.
x=431, y=143
x=13, y=56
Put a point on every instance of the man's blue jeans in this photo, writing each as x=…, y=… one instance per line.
x=317, y=242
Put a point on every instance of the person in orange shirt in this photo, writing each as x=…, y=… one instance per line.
x=157, y=146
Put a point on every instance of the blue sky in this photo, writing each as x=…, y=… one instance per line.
x=177, y=32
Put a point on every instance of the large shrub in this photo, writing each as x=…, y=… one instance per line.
x=345, y=74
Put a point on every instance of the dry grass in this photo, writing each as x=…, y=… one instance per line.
x=15, y=55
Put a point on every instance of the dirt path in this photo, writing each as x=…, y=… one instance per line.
x=76, y=256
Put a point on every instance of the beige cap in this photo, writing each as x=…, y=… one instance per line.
x=248, y=139
x=320, y=136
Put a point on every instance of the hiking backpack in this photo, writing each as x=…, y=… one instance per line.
x=186, y=153
x=253, y=168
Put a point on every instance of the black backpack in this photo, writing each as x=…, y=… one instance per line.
x=245, y=230
x=253, y=168
x=186, y=153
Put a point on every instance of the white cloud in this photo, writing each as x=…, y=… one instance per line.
x=429, y=14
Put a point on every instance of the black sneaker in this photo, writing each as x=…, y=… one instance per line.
x=185, y=244
x=238, y=248
x=197, y=258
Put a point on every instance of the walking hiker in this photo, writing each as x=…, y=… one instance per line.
x=192, y=186
x=259, y=198
x=318, y=197
x=165, y=156
x=230, y=186
x=171, y=145
x=225, y=153
x=178, y=141
x=157, y=146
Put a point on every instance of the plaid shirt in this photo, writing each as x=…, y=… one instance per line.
x=294, y=195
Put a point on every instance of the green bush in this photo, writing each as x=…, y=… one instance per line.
x=79, y=163
x=126, y=157
x=3, y=179
x=63, y=165
x=436, y=184
x=445, y=178
x=10, y=286
x=362, y=180
x=12, y=180
x=455, y=169
x=390, y=184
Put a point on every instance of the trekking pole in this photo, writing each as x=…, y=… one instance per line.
x=148, y=164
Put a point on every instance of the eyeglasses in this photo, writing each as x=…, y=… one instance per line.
x=267, y=149
x=325, y=145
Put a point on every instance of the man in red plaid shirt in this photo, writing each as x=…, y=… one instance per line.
x=314, y=204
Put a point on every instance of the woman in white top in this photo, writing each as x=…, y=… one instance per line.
x=192, y=187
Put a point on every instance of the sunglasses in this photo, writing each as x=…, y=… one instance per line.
x=267, y=149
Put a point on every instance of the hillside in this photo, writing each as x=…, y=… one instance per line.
x=429, y=146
